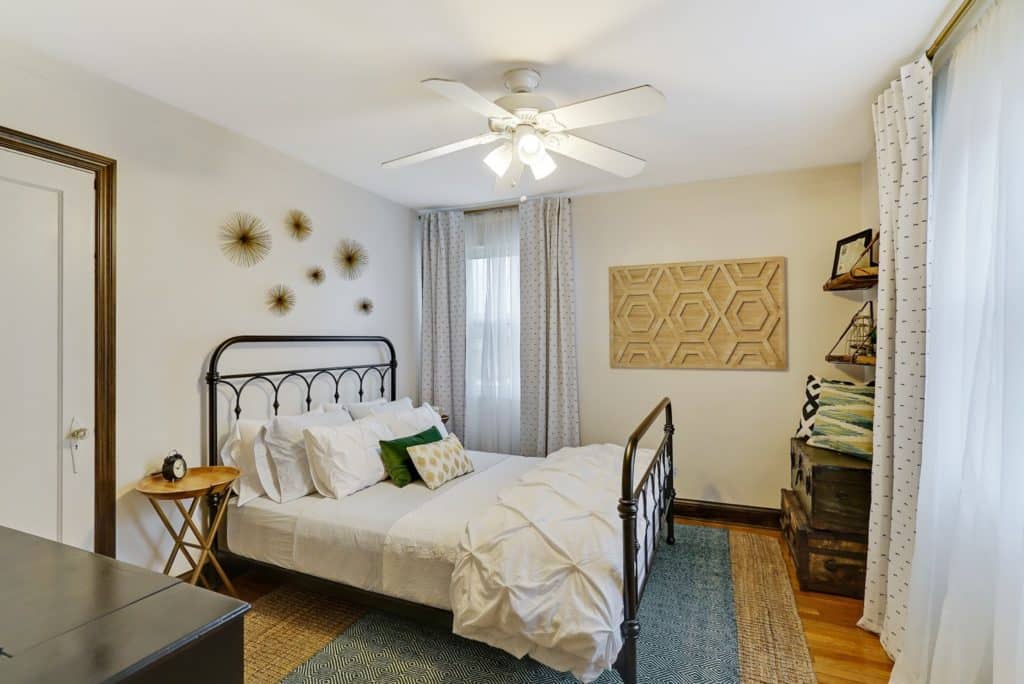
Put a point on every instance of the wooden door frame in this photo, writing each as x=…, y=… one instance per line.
x=105, y=171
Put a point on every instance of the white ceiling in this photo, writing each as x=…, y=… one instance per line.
x=751, y=86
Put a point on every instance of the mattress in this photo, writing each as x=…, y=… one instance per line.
x=395, y=541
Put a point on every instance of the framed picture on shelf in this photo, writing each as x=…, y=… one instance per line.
x=849, y=251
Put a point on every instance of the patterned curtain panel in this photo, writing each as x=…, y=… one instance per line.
x=903, y=119
x=549, y=386
x=443, y=327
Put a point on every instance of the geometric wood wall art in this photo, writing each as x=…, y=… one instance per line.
x=703, y=314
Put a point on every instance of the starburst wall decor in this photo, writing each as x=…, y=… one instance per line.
x=244, y=239
x=299, y=224
x=316, y=275
x=280, y=299
x=351, y=259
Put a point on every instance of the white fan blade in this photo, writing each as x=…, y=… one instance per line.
x=441, y=151
x=604, y=158
x=628, y=104
x=467, y=97
x=510, y=180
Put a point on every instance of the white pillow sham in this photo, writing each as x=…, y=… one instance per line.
x=346, y=458
x=239, y=451
x=333, y=408
x=284, y=467
x=412, y=422
x=368, y=408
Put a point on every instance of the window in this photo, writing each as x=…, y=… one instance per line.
x=492, y=330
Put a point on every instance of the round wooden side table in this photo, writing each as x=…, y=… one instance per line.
x=199, y=482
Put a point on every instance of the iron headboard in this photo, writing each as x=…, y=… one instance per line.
x=384, y=371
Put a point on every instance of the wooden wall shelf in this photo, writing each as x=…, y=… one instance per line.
x=856, y=360
x=862, y=278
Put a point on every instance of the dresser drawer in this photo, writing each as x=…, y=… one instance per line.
x=829, y=562
x=834, y=489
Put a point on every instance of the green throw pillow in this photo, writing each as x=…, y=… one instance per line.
x=395, y=455
x=845, y=419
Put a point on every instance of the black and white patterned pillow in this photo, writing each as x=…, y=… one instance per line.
x=812, y=392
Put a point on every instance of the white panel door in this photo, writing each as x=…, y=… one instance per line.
x=47, y=249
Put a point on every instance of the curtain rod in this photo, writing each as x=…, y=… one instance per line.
x=948, y=29
x=496, y=207
x=479, y=208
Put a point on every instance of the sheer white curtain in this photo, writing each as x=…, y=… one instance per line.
x=492, y=330
x=966, y=609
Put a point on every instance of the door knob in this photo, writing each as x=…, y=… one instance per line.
x=76, y=434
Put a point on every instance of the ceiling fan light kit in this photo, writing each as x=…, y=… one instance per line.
x=529, y=125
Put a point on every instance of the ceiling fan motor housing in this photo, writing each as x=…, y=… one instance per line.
x=522, y=80
x=523, y=102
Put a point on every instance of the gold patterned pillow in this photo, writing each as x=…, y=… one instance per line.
x=439, y=462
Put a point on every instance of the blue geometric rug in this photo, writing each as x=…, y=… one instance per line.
x=687, y=618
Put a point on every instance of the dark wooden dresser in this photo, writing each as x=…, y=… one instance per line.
x=825, y=519
x=68, y=615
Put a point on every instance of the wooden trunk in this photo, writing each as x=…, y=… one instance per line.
x=829, y=562
x=834, y=489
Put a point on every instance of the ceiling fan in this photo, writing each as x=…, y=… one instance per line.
x=529, y=126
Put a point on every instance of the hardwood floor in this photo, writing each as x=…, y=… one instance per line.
x=842, y=652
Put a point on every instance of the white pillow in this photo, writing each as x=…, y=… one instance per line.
x=333, y=408
x=413, y=422
x=346, y=458
x=239, y=451
x=289, y=476
x=367, y=408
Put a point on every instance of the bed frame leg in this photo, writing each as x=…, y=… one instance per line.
x=670, y=483
x=625, y=665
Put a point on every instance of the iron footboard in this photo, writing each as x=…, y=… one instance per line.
x=646, y=504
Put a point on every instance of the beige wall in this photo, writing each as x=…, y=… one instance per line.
x=733, y=427
x=178, y=178
x=869, y=193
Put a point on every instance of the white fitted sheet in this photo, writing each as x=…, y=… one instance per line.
x=396, y=541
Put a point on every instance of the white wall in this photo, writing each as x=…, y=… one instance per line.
x=733, y=427
x=178, y=178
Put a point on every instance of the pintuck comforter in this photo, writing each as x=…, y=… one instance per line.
x=540, y=572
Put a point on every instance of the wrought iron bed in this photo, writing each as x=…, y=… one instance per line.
x=652, y=493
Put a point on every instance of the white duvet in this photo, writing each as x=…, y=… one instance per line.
x=539, y=573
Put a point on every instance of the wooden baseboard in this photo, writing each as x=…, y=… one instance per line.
x=714, y=511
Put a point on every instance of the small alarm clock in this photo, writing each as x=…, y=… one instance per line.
x=174, y=467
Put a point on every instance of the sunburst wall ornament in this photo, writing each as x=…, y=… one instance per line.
x=299, y=224
x=244, y=239
x=280, y=299
x=365, y=306
x=351, y=258
x=316, y=275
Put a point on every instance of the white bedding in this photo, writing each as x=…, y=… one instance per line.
x=540, y=572
x=526, y=553
x=396, y=541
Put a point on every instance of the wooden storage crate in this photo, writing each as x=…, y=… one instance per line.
x=834, y=489
x=829, y=562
